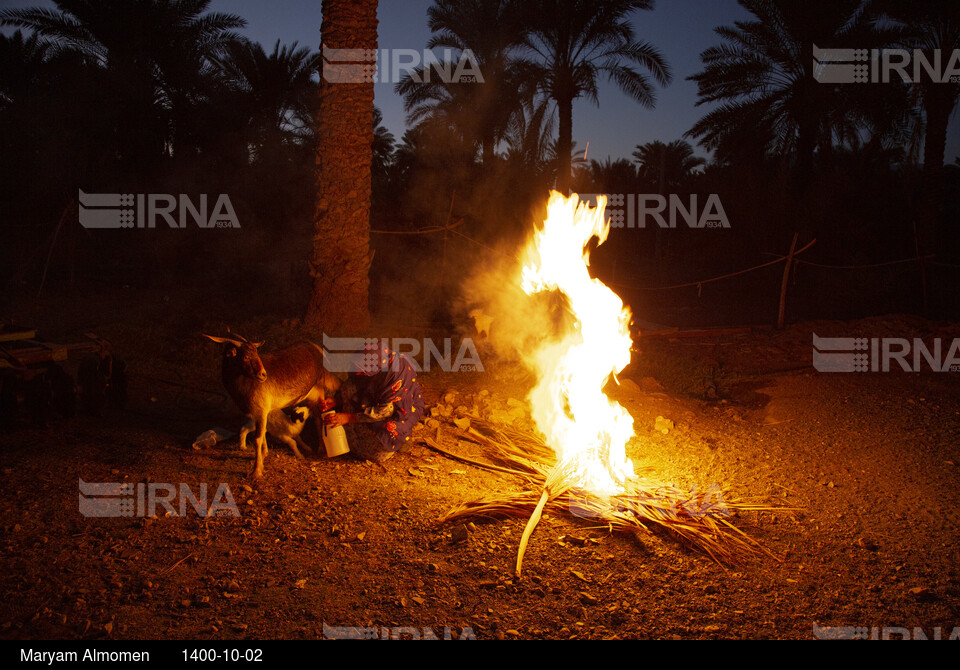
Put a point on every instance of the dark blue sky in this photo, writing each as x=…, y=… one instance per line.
x=681, y=29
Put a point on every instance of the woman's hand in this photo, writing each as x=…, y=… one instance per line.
x=339, y=419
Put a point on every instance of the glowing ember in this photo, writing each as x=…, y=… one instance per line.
x=588, y=431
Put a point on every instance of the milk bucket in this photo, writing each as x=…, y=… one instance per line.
x=334, y=438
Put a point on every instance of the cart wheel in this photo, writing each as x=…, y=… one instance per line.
x=102, y=379
x=9, y=384
x=39, y=397
x=93, y=385
x=64, y=400
x=117, y=383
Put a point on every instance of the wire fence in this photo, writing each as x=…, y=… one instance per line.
x=788, y=259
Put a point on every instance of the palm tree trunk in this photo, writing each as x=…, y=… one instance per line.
x=340, y=262
x=938, y=109
x=564, y=145
x=806, y=146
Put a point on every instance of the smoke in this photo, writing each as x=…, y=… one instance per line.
x=515, y=324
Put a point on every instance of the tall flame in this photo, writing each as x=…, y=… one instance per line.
x=586, y=429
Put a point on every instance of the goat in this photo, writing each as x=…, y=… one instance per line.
x=286, y=425
x=258, y=385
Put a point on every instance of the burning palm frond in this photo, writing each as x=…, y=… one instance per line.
x=701, y=520
x=581, y=465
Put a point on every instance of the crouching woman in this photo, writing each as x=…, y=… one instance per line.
x=380, y=404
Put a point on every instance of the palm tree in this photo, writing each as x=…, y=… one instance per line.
x=449, y=106
x=278, y=89
x=612, y=176
x=22, y=60
x=382, y=172
x=383, y=143
x=482, y=111
x=407, y=152
x=574, y=41
x=529, y=138
x=668, y=166
x=340, y=262
x=34, y=97
x=930, y=26
x=575, y=162
x=769, y=101
x=146, y=77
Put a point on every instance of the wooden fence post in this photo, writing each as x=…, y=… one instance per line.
x=783, y=284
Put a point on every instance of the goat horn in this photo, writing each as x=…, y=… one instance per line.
x=222, y=340
x=236, y=335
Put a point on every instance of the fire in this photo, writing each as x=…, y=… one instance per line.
x=586, y=429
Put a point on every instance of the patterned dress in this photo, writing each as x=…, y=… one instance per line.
x=390, y=400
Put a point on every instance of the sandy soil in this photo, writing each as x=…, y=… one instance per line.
x=866, y=467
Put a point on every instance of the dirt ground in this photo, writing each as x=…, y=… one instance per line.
x=866, y=467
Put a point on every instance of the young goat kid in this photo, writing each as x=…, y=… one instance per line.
x=286, y=425
x=259, y=385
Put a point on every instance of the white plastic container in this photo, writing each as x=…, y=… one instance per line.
x=334, y=438
x=209, y=438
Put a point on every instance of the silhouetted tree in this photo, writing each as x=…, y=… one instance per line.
x=666, y=166
x=529, y=137
x=22, y=61
x=382, y=172
x=575, y=41
x=769, y=100
x=153, y=54
x=479, y=111
x=577, y=162
x=929, y=26
x=279, y=91
x=383, y=142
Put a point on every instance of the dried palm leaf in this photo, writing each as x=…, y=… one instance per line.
x=701, y=521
